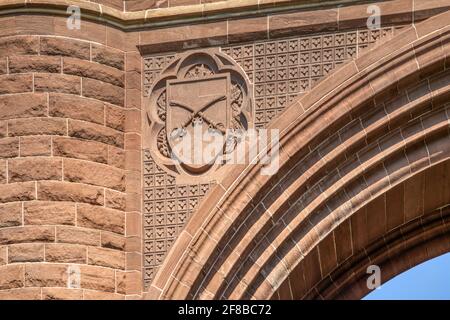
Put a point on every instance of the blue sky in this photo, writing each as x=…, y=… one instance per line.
x=429, y=280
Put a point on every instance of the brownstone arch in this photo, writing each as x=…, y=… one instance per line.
x=364, y=178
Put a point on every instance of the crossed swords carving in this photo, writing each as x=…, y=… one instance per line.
x=200, y=113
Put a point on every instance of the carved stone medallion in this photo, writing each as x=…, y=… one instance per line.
x=199, y=94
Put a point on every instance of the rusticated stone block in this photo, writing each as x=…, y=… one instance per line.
x=90, y=131
x=16, y=83
x=46, y=275
x=116, y=157
x=80, y=149
x=67, y=106
x=114, y=199
x=97, y=295
x=23, y=64
x=22, y=191
x=108, y=56
x=65, y=47
x=29, y=169
x=62, y=294
x=9, y=147
x=128, y=282
x=66, y=253
x=94, y=173
x=11, y=277
x=19, y=45
x=100, y=218
x=97, y=278
x=78, y=235
x=115, y=117
x=26, y=252
x=47, y=213
x=66, y=191
x=27, y=234
x=35, y=146
x=57, y=83
x=112, y=241
x=25, y=105
x=37, y=126
x=21, y=294
x=3, y=66
x=93, y=70
x=103, y=91
x=3, y=171
x=3, y=255
x=10, y=214
x=3, y=125
x=106, y=258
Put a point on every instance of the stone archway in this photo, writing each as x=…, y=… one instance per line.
x=367, y=130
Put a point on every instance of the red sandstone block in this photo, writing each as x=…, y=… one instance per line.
x=23, y=64
x=18, y=45
x=3, y=66
x=137, y=5
x=62, y=294
x=11, y=277
x=3, y=171
x=128, y=282
x=132, y=141
x=114, y=199
x=26, y=252
x=78, y=235
x=65, y=253
x=10, y=214
x=106, y=258
x=37, y=126
x=46, y=275
x=103, y=91
x=27, y=234
x=97, y=295
x=35, y=146
x=65, y=47
x=134, y=61
x=3, y=129
x=112, y=241
x=115, y=117
x=90, y=131
x=133, y=121
x=80, y=149
x=133, y=80
x=9, y=147
x=57, y=83
x=29, y=169
x=93, y=70
x=108, y=56
x=3, y=255
x=101, y=218
x=75, y=107
x=94, y=173
x=133, y=98
x=48, y=213
x=116, y=157
x=16, y=83
x=21, y=294
x=97, y=278
x=22, y=191
x=66, y=191
x=25, y=105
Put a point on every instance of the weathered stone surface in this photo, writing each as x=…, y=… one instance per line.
x=21, y=294
x=26, y=252
x=115, y=199
x=27, y=234
x=108, y=56
x=101, y=218
x=11, y=277
x=65, y=47
x=97, y=278
x=128, y=282
x=103, y=91
x=93, y=70
x=62, y=294
x=18, y=45
x=90, y=131
x=9, y=147
x=57, y=83
x=16, y=83
x=35, y=146
x=113, y=241
x=23, y=64
x=80, y=149
x=25, y=105
x=45, y=275
x=115, y=117
x=116, y=157
x=30, y=169
x=106, y=258
x=67, y=106
x=48, y=213
x=66, y=253
x=37, y=126
x=94, y=173
x=78, y=236
x=21, y=191
x=10, y=214
x=65, y=191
